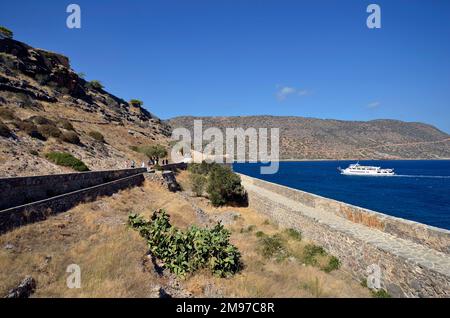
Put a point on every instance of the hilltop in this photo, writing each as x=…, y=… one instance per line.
x=310, y=138
x=46, y=106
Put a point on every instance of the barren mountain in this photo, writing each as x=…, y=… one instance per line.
x=45, y=106
x=309, y=138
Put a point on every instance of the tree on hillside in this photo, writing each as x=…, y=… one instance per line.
x=136, y=102
x=6, y=33
x=153, y=151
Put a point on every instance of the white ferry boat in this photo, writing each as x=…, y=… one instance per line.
x=359, y=170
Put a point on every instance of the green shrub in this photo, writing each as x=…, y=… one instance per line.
x=294, y=234
x=201, y=168
x=333, y=264
x=136, y=102
x=184, y=252
x=49, y=131
x=157, y=151
x=381, y=293
x=70, y=137
x=29, y=128
x=311, y=252
x=94, y=84
x=65, y=124
x=6, y=32
x=260, y=234
x=224, y=186
x=7, y=114
x=271, y=246
x=97, y=136
x=4, y=130
x=66, y=160
x=198, y=183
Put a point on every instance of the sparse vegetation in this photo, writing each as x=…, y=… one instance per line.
x=314, y=286
x=95, y=84
x=70, y=137
x=294, y=234
x=248, y=229
x=97, y=136
x=67, y=160
x=260, y=234
x=198, y=183
x=333, y=264
x=272, y=246
x=41, y=120
x=184, y=252
x=4, y=130
x=381, y=293
x=311, y=252
x=29, y=128
x=49, y=131
x=65, y=124
x=6, y=32
x=152, y=151
x=136, y=103
x=201, y=168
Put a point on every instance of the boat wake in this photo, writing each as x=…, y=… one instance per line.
x=420, y=176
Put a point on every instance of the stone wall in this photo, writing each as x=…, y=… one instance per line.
x=436, y=238
x=410, y=265
x=17, y=191
x=40, y=210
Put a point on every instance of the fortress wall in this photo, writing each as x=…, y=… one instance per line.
x=361, y=238
x=17, y=191
x=433, y=237
x=40, y=210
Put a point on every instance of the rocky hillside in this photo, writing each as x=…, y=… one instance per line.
x=309, y=138
x=45, y=106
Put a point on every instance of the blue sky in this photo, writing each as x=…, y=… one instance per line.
x=249, y=57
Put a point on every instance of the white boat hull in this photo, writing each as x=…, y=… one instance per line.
x=381, y=174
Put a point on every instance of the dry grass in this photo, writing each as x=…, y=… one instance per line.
x=110, y=255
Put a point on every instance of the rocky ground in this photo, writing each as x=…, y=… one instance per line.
x=35, y=82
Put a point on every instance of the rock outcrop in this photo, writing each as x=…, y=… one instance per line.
x=38, y=83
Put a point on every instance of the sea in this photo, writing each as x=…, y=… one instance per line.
x=420, y=190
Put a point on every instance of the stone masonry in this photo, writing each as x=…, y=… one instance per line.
x=17, y=191
x=410, y=265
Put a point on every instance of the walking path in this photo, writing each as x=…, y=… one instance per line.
x=413, y=252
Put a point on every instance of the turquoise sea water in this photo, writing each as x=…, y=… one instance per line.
x=420, y=191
